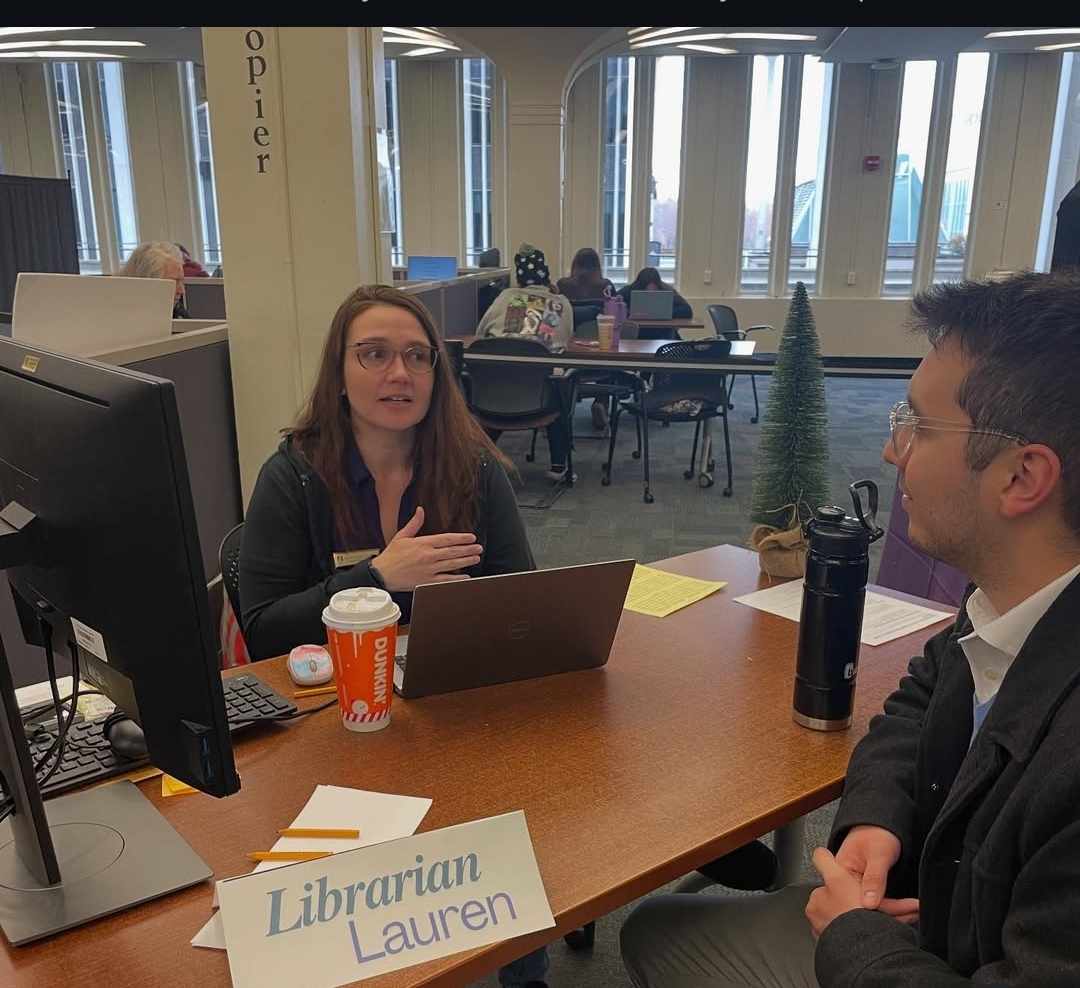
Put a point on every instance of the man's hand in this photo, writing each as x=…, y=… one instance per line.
x=842, y=893
x=411, y=559
x=869, y=853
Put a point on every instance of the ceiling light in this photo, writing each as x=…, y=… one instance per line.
x=13, y=45
x=752, y=36
x=637, y=30
x=743, y=36
x=415, y=33
x=6, y=31
x=1034, y=32
x=441, y=45
x=663, y=32
x=711, y=49
x=1069, y=44
x=425, y=51
x=105, y=55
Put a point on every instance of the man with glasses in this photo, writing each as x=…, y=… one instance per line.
x=954, y=857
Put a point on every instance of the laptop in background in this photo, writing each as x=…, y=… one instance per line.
x=651, y=305
x=499, y=629
x=422, y=268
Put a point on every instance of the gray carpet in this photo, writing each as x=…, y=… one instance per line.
x=590, y=522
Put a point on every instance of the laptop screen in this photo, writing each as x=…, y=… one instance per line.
x=651, y=305
x=423, y=268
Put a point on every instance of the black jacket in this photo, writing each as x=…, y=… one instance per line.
x=286, y=573
x=991, y=837
x=680, y=308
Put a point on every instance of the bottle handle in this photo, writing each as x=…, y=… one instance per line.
x=871, y=526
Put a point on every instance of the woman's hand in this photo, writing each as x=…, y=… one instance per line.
x=410, y=559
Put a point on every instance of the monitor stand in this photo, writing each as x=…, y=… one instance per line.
x=82, y=856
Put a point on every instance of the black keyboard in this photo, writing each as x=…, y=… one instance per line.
x=88, y=757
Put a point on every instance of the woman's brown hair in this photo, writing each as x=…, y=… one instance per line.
x=449, y=442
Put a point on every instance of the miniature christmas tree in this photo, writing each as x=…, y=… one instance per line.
x=790, y=478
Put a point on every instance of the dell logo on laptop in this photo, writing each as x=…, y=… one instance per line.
x=519, y=630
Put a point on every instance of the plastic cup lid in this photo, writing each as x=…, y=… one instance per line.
x=366, y=607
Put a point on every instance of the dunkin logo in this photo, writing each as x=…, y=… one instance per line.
x=381, y=657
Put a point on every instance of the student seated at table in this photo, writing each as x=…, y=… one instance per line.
x=159, y=259
x=954, y=858
x=385, y=459
x=535, y=310
x=192, y=268
x=649, y=280
x=586, y=279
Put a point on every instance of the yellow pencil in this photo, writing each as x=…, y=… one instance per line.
x=315, y=691
x=287, y=855
x=342, y=832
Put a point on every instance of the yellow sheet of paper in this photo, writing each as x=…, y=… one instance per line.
x=656, y=593
x=174, y=787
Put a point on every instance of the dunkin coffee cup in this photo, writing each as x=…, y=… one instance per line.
x=361, y=635
x=605, y=331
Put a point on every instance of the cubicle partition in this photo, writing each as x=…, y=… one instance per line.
x=205, y=298
x=457, y=304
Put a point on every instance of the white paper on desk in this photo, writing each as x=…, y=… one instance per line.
x=884, y=618
x=379, y=816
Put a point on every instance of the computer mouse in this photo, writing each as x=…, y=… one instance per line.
x=125, y=737
x=310, y=665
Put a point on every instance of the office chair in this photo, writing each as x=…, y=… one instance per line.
x=726, y=324
x=517, y=397
x=455, y=350
x=682, y=396
x=489, y=258
x=229, y=561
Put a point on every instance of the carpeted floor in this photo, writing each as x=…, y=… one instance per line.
x=590, y=522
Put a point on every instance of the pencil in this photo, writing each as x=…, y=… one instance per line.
x=315, y=691
x=342, y=832
x=287, y=855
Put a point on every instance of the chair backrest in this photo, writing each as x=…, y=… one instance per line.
x=585, y=320
x=510, y=390
x=725, y=322
x=229, y=561
x=708, y=385
x=489, y=258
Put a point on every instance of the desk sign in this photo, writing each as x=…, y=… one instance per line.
x=360, y=913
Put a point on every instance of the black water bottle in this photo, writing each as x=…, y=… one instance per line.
x=834, y=592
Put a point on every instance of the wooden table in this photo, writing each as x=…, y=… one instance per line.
x=680, y=750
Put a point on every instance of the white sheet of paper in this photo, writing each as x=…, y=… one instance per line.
x=884, y=618
x=379, y=816
x=363, y=913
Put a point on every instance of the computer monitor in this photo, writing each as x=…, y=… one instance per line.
x=431, y=268
x=489, y=258
x=98, y=537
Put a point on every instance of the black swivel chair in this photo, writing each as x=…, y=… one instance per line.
x=229, y=562
x=516, y=397
x=726, y=324
x=679, y=396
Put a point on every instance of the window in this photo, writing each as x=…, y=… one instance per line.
x=204, y=164
x=762, y=153
x=810, y=156
x=1064, y=165
x=666, y=160
x=916, y=104
x=476, y=76
x=618, y=151
x=397, y=240
x=76, y=163
x=118, y=156
x=968, y=98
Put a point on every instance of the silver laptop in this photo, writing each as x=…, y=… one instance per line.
x=651, y=305
x=499, y=629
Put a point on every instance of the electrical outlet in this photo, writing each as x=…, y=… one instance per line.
x=708, y=276
x=851, y=277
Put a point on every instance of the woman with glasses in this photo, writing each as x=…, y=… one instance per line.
x=385, y=480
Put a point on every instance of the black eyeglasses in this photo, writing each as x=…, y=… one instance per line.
x=418, y=358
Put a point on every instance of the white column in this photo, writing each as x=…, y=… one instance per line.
x=98, y=160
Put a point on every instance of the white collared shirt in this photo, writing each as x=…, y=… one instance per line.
x=997, y=639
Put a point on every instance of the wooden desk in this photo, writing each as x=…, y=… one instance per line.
x=680, y=750
x=664, y=329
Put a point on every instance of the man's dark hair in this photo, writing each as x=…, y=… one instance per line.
x=1022, y=337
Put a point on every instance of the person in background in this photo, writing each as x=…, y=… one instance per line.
x=954, y=857
x=586, y=279
x=159, y=259
x=192, y=268
x=533, y=309
x=649, y=280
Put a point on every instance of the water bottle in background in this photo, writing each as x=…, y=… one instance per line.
x=834, y=592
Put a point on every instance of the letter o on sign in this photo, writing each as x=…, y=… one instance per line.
x=258, y=37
